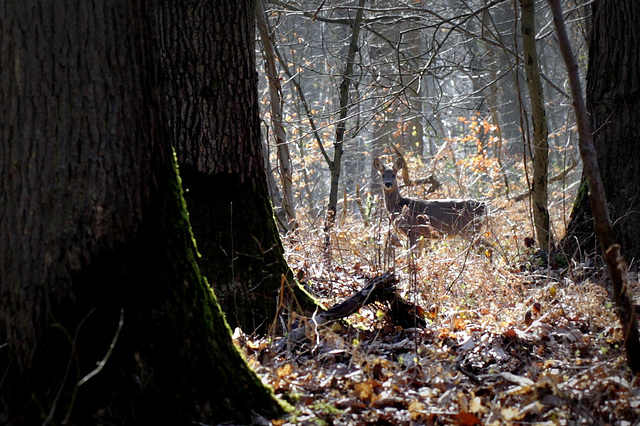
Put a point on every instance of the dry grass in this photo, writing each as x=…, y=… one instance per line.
x=506, y=340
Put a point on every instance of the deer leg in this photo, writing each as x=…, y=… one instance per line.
x=421, y=243
x=412, y=238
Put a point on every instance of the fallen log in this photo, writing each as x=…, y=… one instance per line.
x=377, y=289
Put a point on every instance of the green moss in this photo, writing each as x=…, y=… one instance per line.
x=242, y=254
x=325, y=408
x=173, y=361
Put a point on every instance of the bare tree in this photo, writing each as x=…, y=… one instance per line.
x=539, y=192
x=335, y=165
x=275, y=98
x=421, y=68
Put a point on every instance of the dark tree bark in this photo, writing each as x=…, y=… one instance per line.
x=613, y=102
x=97, y=261
x=210, y=80
x=622, y=294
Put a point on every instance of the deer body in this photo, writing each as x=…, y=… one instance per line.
x=430, y=219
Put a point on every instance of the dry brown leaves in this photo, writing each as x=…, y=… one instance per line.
x=506, y=341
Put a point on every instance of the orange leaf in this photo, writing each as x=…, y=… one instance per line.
x=467, y=419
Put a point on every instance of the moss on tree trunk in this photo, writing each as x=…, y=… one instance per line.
x=613, y=84
x=241, y=250
x=211, y=97
x=173, y=360
x=97, y=256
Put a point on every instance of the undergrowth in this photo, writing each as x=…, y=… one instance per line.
x=508, y=339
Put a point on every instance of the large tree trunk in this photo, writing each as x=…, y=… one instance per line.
x=209, y=75
x=622, y=294
x=613, y=101
x=97, y=261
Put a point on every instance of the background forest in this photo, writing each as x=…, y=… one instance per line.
x=513, y=335
x=444, y=84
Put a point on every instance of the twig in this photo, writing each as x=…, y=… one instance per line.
x=315, y=15
x=102, y=363
x=72, y=356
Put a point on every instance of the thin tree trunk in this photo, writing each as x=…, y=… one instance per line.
x=539, y=191
x=492, y=102
x=622, y=294
x=335, y=166
x=275, y=94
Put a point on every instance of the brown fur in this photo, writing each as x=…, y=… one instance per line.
x=430, y=219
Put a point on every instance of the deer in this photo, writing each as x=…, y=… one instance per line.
x=430, y=219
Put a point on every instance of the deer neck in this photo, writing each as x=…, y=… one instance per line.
x=394, y=201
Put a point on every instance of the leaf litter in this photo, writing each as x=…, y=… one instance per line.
x=506, y=341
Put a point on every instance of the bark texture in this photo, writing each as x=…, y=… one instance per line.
x=98, y=263
x=335, y=165
x=613, y=101
x=539, y=186
x=210, y=80
x=622, y=293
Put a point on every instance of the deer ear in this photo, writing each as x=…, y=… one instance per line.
x=398, y=164
x=378, y=165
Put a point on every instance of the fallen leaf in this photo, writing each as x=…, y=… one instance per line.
x=520, y=380
x=527, y=318
x=467, y=419
x=416, y=409
x=364, y=390
x=509, y=413
x=475, y=405
x=536, y=308
x=284, y=371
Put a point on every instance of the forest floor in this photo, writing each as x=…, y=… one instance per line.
x=505, y=341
